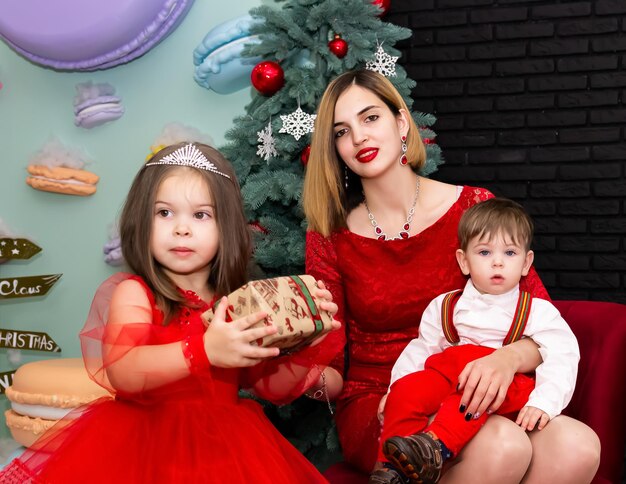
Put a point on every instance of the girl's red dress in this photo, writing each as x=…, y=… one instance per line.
x=195, y=430
x=382, y=289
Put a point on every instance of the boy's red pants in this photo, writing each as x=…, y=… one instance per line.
x=415, y=397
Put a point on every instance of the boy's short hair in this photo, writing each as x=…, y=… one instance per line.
x=495, y=216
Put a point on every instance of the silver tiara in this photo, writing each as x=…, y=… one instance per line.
x=188, y=155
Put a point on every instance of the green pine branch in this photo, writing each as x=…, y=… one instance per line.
x=296, y=35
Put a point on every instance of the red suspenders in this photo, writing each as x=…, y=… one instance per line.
x=515, y=331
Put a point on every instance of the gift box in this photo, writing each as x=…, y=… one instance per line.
x=290, y=306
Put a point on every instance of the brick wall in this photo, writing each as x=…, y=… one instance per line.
x=528, y=96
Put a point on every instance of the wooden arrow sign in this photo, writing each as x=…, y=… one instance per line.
x=27, y=340
x=6, y=380
x=27, y=286
x=17, y=248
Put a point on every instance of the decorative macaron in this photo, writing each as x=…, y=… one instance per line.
x=113, y=251
x=86, y=36
x=45, y=391
x=60, y=179
x=57, y=169
x=96, y=104
x=218, y=61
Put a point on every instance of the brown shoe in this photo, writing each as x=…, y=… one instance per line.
x=417, y=456
x=386, y=475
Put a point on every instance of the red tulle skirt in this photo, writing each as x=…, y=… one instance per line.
x=182, y=440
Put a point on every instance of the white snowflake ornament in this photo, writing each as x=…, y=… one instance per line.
x=384, y=63
x=298, y=123
x=267, y=148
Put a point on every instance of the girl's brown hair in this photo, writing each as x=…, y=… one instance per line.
x=228, y=268
x=493, y=217
x=326, y=201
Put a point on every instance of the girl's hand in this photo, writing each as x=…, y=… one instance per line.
x=325, y=298
x=325, y=303
x=227, y=345
x=485, y=382
x=528, y=417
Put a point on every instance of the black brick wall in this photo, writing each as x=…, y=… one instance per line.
x=528, y=96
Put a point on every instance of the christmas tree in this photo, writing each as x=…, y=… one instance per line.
x=308, y=43
x=304, y=45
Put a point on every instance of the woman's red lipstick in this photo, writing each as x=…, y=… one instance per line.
x=366, y=155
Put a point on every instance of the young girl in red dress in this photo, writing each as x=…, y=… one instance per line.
x=176, y=415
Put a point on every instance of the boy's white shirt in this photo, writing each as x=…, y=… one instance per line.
x=485, y=319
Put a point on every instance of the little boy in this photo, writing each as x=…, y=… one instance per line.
x=461, y=326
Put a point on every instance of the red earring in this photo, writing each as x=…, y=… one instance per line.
x=403, y=158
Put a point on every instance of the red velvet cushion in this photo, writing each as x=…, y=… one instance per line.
x=600, y=396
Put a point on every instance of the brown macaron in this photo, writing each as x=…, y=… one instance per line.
x=61, y=179
x=45, y=391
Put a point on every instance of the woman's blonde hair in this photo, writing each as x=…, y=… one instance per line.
x=229, y=268
x=325, y=199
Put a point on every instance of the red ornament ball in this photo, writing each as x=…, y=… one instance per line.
x=304, y=156
x=383, y=5
x=338, y=46
x=267, y=77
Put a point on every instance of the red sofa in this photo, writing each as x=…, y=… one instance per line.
x=600, y=396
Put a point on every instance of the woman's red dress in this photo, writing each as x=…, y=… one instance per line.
x=382, y=289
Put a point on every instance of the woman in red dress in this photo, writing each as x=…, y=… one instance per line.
x=383, y=239
x=176, y=416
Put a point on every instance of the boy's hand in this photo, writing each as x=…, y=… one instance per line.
x=380, y=413
x=528, y=417
x=228, y=345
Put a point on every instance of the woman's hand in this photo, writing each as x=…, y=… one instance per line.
x=485, y=382
x=227, y=345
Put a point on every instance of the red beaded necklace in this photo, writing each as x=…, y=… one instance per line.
x=402, y=234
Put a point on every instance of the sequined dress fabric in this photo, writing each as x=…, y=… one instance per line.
x=193, y=430
x=382, y=289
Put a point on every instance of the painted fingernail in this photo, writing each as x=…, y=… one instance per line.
x=462, y=408
x=468, y=416
x=476, y=415
x=489, y=412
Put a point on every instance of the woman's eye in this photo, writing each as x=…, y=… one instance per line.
x=340, y=133
x=372, y=117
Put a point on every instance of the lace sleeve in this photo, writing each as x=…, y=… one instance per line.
x=321, y=263
x=123, y=350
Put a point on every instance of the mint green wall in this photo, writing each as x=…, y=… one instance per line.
x=36, y=104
